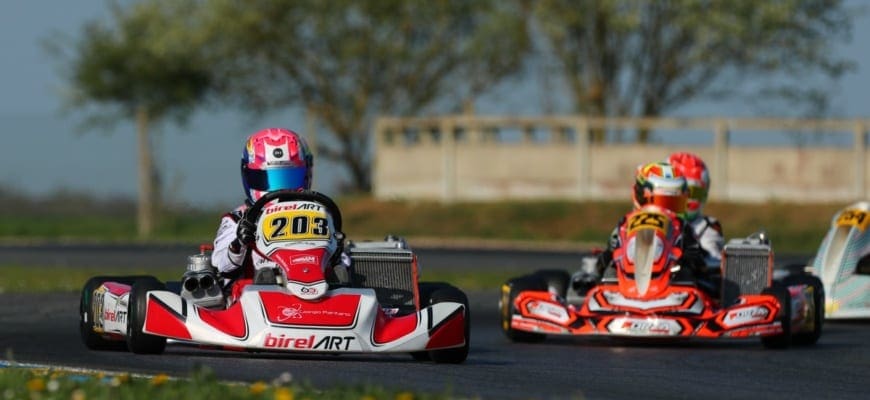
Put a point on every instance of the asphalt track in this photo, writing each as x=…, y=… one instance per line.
x=44, y=329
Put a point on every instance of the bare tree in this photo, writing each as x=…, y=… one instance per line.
x=628, y=57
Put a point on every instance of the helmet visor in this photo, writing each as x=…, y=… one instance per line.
x=676, y=204
x=276, y=179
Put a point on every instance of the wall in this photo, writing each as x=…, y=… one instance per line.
x=553, y=158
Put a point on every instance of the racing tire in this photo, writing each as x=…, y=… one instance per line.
x=811, y=337
x=139, y=342
x=425, y=290
x=509, y=292
x=781, y=340
x=90, y=338
x=439, y=292
x=557, y=280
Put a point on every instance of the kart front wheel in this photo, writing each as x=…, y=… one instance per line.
x=816, y=314
x=509, y=292
x=783, y=297
x=138, y=341
x=434, y=293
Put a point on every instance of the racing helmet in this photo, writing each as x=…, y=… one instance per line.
x=697, y=178
x=660, y=184
x=275, y=159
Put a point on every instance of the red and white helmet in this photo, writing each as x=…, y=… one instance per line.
x=697, y=178
x=660, y=184
x=275, y=159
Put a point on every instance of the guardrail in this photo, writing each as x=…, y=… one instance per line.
x=463, y=157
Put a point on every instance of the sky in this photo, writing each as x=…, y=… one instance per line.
x=45, y=153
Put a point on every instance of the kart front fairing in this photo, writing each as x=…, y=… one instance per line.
x=269, y=318
x=842, y=262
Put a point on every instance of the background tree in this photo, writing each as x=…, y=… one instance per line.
x=347, y=61
x=644, y=58
x=144, y=66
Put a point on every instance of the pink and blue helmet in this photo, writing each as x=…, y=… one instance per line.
x=275, y=159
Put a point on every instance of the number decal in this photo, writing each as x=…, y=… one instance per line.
x=856, y=218
x=321, y=227
x=290, y=225
x=279, y=224
x=648, y=220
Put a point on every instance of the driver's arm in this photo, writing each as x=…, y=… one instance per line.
x=228, y=254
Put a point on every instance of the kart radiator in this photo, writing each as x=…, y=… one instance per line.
x=391, y=272
x=747, y=266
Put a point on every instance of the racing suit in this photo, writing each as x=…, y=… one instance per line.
x=708, y=231
x=236, y=263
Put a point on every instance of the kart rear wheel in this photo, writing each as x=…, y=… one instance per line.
x=138, y=341
x=439, y=292
x=90, y=338
x=807, y=338
x=509, y=292
x=782, y=340
x=557, y=280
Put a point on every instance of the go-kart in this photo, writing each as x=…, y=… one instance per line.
x=842, y=262
x=647, y=294
x=292, y=304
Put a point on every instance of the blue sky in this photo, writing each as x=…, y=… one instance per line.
x=200, y=163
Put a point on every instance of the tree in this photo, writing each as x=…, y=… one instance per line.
x=346, y=61
x=644, y=58
x=143, y=67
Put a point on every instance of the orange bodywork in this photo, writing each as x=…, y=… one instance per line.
x=679, y=311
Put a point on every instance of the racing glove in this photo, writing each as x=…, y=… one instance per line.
x=246, y=232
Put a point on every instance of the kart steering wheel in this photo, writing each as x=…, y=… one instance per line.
x=254, y=212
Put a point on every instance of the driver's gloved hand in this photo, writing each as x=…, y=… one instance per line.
x=246, y=232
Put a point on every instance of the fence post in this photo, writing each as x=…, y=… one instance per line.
x=584, y=163
x=720, y=161
x=860, y=161
x=448, y=157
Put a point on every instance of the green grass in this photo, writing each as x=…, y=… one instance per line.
x=30, y=279
x=28, y=383
x=792, y=227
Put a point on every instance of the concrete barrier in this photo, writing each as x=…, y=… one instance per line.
x=467, y=158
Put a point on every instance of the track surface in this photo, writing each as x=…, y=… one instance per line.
x=44, y=329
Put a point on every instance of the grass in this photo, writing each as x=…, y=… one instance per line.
x=29, y=383
x=792, y=227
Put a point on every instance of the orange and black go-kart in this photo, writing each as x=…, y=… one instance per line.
x=645, y=294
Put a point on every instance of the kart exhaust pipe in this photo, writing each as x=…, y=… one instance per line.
x=204, y=282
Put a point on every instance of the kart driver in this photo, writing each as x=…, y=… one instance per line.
x=707, y=229
x=660, y=184
x=273, y=159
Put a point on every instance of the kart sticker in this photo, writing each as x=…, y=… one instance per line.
x=295, y=225
x=648, y=220
x=856, y=218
